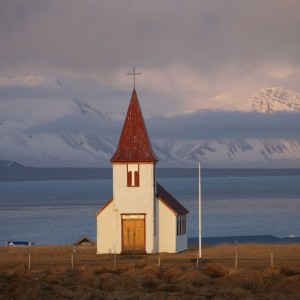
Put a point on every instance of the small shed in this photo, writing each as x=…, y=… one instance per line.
x=84, y=241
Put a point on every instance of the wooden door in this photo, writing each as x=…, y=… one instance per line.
x=133, y=235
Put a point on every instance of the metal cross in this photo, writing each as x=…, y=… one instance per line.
x=134, y=73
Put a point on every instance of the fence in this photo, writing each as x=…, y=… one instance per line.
x=229, y=255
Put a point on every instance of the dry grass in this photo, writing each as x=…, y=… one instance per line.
x=139, y=276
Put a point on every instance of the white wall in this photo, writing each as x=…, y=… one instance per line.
x=135, y=200
x=105, y=230
x=181, y=242
x=166, y=229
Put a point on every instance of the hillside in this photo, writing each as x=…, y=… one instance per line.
x=84, y=137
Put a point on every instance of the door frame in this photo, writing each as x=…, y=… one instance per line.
x=133, y=216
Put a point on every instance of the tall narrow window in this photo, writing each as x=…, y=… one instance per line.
x=180, y=225
x=133, y=175
x=136, y=178
x=129, y=178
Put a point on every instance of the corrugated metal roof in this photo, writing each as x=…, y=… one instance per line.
x=170, y=201
x=134, y=144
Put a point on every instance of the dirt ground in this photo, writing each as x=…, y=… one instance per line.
x=227, y=271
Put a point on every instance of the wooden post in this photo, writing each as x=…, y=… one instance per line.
x=158, y=260
x=272, y=259
x=73, y=256
x=29, y=261
x=236, y=260
x=115, y=260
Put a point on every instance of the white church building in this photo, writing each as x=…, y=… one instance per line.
x=141, y=216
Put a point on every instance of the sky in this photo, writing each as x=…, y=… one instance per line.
x=195, y=56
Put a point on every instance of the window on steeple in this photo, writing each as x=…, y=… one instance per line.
x=129, y=178
x=136, y=178
x=133, y=175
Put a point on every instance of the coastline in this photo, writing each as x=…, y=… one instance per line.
x=17, y=172
x=192, y=241
x=246, y=239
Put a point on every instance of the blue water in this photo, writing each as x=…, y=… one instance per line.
x=59, y=212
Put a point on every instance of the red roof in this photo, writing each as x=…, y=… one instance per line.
x=170, y=201
x=134, y=144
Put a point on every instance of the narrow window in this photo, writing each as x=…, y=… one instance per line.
x=129, y=178
x=184, y=224
x=180, y=226
x=133, y=175
x=136, y=178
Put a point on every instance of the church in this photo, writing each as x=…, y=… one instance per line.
x=141, y=217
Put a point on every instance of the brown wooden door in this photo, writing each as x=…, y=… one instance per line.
x=133, y=235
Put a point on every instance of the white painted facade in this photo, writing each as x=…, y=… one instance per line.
x=169, y=239
x=106, y=230
x=135, y=200
x=166, y=229
x=138, y=202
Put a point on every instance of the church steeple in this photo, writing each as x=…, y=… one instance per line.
x=134, y=144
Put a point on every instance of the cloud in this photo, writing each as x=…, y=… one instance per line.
x=26, y=81
x=29, y=87
x=79, y=123
x=193, y=54
x=196, y=126
x=227, y=125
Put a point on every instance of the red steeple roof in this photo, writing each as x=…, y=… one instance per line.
x=134, y=144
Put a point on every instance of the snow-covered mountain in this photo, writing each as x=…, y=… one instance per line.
x=268, y=100
x=270, y=153
x=54, y=148
x=86, y=138
x=248, y=152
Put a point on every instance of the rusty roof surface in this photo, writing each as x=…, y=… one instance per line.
x=170, y=201
x=134, y=144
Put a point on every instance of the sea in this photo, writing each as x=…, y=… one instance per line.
x=61, y=211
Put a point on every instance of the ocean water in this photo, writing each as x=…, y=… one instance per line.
x=60, y=212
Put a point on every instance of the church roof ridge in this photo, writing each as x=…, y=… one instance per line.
x=170, y=201
x=134, y=143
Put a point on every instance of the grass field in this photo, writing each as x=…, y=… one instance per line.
x=46, y=272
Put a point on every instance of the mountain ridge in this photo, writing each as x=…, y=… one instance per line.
x=91, y=143
x=13, y=171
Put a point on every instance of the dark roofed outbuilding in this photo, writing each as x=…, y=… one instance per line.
x=84, y=241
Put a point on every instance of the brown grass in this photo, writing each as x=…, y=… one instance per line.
x=140, y=277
